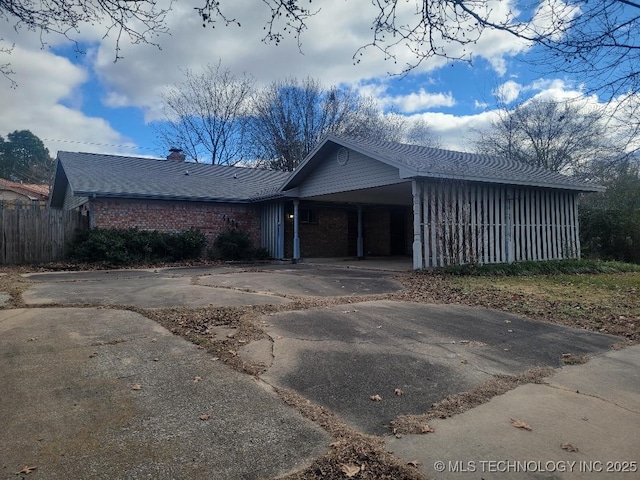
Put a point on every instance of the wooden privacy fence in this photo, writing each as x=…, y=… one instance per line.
x=32, y=233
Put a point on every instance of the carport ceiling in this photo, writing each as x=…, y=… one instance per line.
x=396, y=194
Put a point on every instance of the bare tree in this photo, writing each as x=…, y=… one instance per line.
x=562, y=137
x=205, y=116
x=291, y=116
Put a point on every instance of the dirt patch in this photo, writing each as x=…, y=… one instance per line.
x=14, y=285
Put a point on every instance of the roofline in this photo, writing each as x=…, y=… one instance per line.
x=522, y=183
x=409, y=173
x=136, y=196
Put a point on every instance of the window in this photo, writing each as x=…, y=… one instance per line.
x=308, y=215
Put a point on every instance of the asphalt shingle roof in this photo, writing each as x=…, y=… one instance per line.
x=135, y=177
x=421, y=161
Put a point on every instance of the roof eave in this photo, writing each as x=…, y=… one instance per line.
x=410, y=174
x=142, y=196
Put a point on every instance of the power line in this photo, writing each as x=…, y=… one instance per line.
x=133, y=147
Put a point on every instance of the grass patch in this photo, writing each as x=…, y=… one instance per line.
x=551, y=267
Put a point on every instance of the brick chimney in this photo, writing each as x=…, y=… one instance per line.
x=176, y=155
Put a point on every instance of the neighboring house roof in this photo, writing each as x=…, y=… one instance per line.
x=415, y=161
x=30, y=190
x=89, y=174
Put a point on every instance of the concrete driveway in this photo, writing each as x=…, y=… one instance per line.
x=105, y=393
x=340, y=356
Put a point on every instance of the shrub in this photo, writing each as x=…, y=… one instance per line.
x=119, y=247
x=235, y=244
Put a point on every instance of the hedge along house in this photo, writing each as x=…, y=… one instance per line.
x=348, y=197
x=441, y=207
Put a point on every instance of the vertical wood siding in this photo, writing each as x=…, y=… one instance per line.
x=272, y=229
x=478, y=223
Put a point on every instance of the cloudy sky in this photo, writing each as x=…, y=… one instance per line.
x=88, y=102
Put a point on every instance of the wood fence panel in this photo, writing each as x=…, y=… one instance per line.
x=32, y=233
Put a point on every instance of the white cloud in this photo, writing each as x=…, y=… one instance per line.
x=418, y=101
x=47, y=85
x=334, y=35
x=508, y=92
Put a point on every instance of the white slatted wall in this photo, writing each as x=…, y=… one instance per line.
x=478, y=223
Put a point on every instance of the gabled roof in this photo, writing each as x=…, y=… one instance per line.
x=31, y=190
x=414, y=161
x=89, y=174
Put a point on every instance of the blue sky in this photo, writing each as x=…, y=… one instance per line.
x=89, y=103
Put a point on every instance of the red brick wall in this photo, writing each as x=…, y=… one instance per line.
x=326, y=238
x=329, y=237
x=173, y=216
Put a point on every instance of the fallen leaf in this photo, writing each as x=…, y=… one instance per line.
x=413, y=463
x=26, y=470
x=569, y=448
x=520, y=424
x=426, y=429
x=156, y=359
x=197, y=379
x=350, y=470
x=375, y=398
x=137, y=386
x=398, y=392
x=205, y=416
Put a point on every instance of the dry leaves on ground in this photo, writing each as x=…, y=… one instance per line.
x=569, y=448
x=520, y=424
x=26, y=470
x=350, y=470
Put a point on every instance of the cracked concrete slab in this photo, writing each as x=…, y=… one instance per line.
x=304, y=280
x=593, y=407
x=144, y=289
x=340, y=356
x=101, y=393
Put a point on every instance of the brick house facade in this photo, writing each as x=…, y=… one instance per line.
x=349, y=197
x=175, y=216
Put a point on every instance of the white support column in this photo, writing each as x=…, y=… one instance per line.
x=508, y=229
x=360, y=243
x=296, y=230
x=416, y=190
x=576, y=225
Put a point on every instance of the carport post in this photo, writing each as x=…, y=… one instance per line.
x=360, y=244
x=416, y=191
x=296, y=230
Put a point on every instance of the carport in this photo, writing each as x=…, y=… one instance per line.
x=361, y=197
